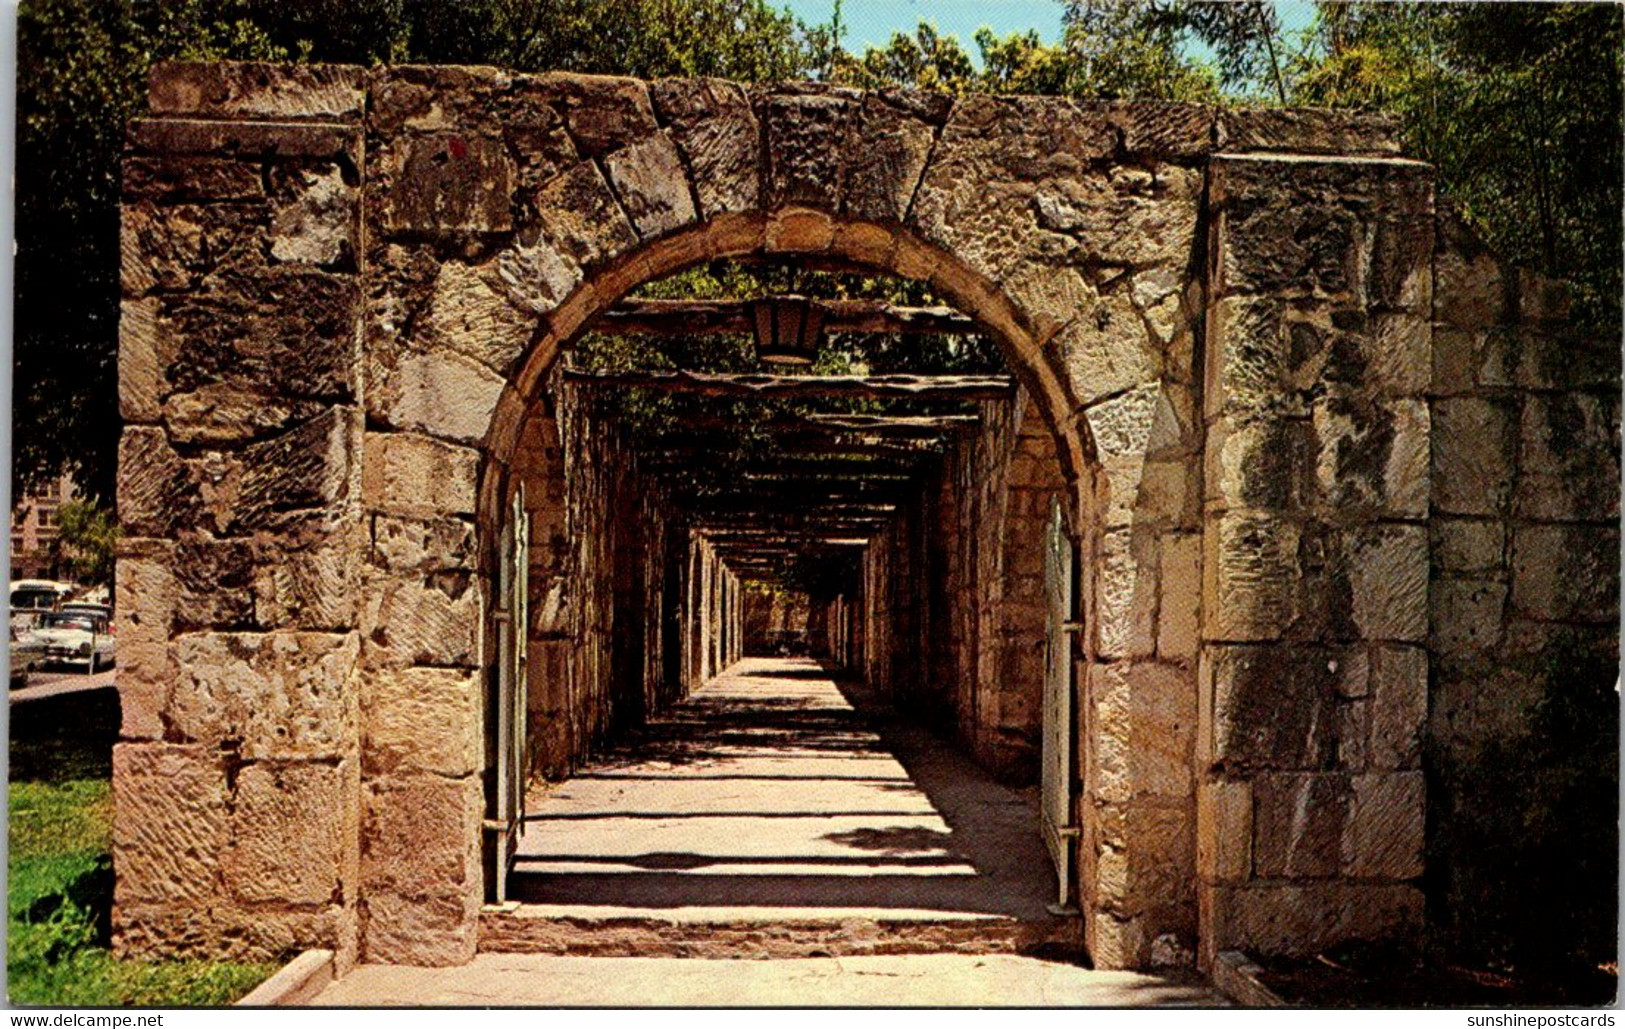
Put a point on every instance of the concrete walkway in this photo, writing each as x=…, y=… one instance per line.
x=919, y=980
x=782, y=816
x=769, y=792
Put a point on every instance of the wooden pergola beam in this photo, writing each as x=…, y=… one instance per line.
x=694, y=317
x=718, y=384
x=931, y=428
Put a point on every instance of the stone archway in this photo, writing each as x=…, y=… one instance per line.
x=343, y=290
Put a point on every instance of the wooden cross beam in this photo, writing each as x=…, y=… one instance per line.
x=694, y=317
x=751, y=384
x=921, y=427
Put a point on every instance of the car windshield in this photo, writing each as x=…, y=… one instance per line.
x=67, y=620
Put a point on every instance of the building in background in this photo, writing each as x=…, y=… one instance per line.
x=35, y=532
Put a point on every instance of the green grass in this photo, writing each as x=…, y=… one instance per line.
x=59, y=907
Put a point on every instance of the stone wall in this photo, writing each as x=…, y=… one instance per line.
x=1522, y=733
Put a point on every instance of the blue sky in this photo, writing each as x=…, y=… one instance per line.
x=872, y=22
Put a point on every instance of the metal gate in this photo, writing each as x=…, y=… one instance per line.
x=1056, y=760
x=512, y=606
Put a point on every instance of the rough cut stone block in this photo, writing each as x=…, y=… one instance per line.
x=157, y=494
x=421, y=837
x=1273, y=707
x=315, y=223
x=425, y=931
x=247, y=140
x=442, y=395
x=1388, y=575
x=186, y=177
x=1463, y=545
x=1179, y=608
x=1162, y=713
x=803, y=134
x=169, y=822
x=468, y=313
x=1373, y=456
x=1307, y=131
x=581, y=226
x=1267, y=464
x=1127, y=603
x=1385, y=826
x=452, y=182
x=1125, y=215
x=1468, y=614
x=886, y=149
x=1301, y=920
x=1566, y=573
x=283, y=694
x=286, y=834
x=145, y=599
x=1249, y=572
x=237, y=89
x=716, y=129
x=1224, y=830
x=1298, y=828
x=1470, y=285
x=415, y=476
x=307, y=467
x=408, y=622
x=1399, y=706
x=1474, y=448
x=652, y=183
x=603, y=112
x=1162, y=130
x=1569, y=459
x=422, y=546
x=139, y=375
x=421, y=720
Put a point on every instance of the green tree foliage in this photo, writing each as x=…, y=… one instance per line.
x=87, y=539
x=82, y=67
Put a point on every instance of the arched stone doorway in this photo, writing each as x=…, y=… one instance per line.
x=344, y=289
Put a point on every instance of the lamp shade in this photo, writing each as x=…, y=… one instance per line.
x=787, y=329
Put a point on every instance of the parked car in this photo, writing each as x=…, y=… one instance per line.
x=38, y=594
x=86, y=607
x=27, y=654
x=76, y=637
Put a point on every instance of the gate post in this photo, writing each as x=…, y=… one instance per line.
x=237, y=776
x=1315, y=572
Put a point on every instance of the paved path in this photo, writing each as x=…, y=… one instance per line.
x=935, y=980
x=55, y=683
x=767, y=791
x=775, y=795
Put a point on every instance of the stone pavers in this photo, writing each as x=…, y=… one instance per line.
x=937, y=980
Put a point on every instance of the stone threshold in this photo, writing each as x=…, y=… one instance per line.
x=765, y=932
x=293, y=985
x=1240, y=978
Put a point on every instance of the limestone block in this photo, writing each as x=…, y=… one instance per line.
x=1273, y=707
x=1388, y=574
x=1385, y=826
x=1266, y=464
x=1162, y=729
x=421, y=836
x=288, y=331
x=281, y=694
x=1179, y=608
x=1569, y=459
x=803, y=133
x=1249, y=575
x=311, y=584
x=182, y=178
x=1160, y=855
x=800, y=231
x=886, y=149
x=603, y=112
x=176, y=246
x=1301, y=130
x=1373, y=456
x=1549, y=358
x=156, y=491
x=1224, y=830
x=1257, y=359
x=1126, y=216
x=1398, y=273
x=417, y=720
x=580, y=225
x=309, y=466
x=446, y=396
x=1399, y=706
x=1401, y=354
x=1139, y=422
x=716, y=130
x=1299, y=825
x=285, y=842
x=242, y=89
x=424, y=931
x=1162, y=130
x=1475, y=441
x=1127, y=595
x=169, y=822
x=1468, y=614
x=449, y=183
x=652, y=184
x=414, y=476
x=140, y=378
x=408, y=622
x=314, y=221
x=1470, y=286
x=1566, y=572
x=422, y=546
x=223, y=414
x=1303, y=919
x=145, y=598
x=214, y=584
x=1462, y=545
